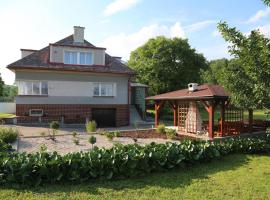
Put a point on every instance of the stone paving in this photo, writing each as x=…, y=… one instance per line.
x=65, y=143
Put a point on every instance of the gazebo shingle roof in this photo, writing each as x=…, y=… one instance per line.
x=205, y=91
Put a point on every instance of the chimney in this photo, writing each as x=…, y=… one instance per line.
x=117, y=58
x=27, y=52
x=78, y=36
x=192, y=87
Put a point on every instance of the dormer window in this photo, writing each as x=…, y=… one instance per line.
x=78, y=58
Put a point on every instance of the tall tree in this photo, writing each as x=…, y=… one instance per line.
x=1, y=86
x=247, y=78
x=166, y=64
x=214, y=73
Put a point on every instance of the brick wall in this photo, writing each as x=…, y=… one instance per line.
x=72, y=113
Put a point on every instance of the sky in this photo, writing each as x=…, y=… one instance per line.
x=123, y=25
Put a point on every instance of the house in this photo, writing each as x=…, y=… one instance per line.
x=73, y=81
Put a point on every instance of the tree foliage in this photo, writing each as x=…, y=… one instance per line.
x=1, y=86
x=247, y=76
x=166, y=64
x=215, y=72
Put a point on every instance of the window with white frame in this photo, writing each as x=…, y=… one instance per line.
x=104, y=89
x=33, y=88
x=78, y=58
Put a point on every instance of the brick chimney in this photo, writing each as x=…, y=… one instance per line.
x=78, y=36
x=26, y=52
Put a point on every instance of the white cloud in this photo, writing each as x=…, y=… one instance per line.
x=259, y=15
x=199, y=25
x=265, y=29
x=215, y=51
x=122, y=44
x=19, y=30
x=119, y=5
x=216, y=33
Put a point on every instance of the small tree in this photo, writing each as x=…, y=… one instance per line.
x=54, y=125
x=92, y=140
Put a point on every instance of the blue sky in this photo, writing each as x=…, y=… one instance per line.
x=123, y=25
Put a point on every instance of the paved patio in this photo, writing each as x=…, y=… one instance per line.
x=65, y=143
x=31, y=139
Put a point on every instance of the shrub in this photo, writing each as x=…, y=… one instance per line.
x=109, y=135
x=92, y=140
x=119, y=161
x=76, y=141
x=4, y=146
x=161, y=129
x=91, y=126
x=116, y=133
x=74, y=133
x=43, y=148
x=170, y=133
x=43, y=134
x=8, y=135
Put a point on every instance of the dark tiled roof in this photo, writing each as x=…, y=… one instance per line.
x=204, y=91
x=40, y=60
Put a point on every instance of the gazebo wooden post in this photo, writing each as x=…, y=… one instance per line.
x=156, y=114
x=175, y=115
x=211, y=119
x=250, y=120
x=158, y=105
x=222, y=116
x=173, y=104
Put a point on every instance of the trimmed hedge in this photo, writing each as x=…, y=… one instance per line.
x=120, y=161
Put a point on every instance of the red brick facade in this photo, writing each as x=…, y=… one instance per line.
x=71, y=113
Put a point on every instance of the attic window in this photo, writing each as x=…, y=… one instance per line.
x=78, y=58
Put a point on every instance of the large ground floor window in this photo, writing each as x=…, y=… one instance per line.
x=33, y=88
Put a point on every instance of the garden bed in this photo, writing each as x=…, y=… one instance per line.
x=149, y=133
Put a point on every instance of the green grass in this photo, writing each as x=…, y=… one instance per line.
x=233, y=177
x=6, y=115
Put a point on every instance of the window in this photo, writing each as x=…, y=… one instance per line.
x=36, y=112
x=33, y=88
x=104, y=89
x=85, y=58
x=80, y=58
x=70, y=57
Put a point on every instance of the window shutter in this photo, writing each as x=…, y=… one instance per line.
x=114, y=90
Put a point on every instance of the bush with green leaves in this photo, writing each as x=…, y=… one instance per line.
x=92, y=140
x=117, y=133
x=170, y=133
x=121, y=161
x=109, y=135
x=8, y=135
x=91, y=126
x=74, y=133
x=76, y=141
x=4, y=146
x=161, y=129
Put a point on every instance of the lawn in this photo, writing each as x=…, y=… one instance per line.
x=233, y=177
x=6, y=115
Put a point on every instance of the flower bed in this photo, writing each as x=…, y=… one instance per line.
x=149, y=133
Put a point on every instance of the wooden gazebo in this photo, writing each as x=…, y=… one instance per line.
x=186, y=113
